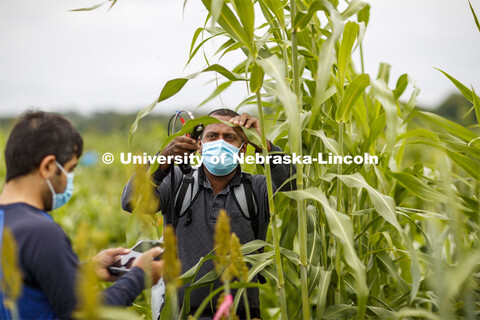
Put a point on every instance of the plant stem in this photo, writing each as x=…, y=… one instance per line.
x=339, y=166
x=302, y=218
x=227, y=292
x=361, y=58
x=273, y=216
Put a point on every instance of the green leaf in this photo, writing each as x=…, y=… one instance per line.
x=89, y=8
x=275, y=68
x=389, y=266
x=172, y=87
x=474, y=15
x=329, y=143
x=341, y=226
x=463, y=89
x=302, y=19
x=256, y=78
x=353, y=92
x=339, y=311
x=327, y=55
x=229, y=22
x=218, y=90
x=386, y=99
x=364, y=15
x=453, y=128
x=402, y=83
x=384, y=205
x=322, y=292
x=350, y=33
x=216, y=9
x=476, y=105
x=418, y=187
x=246, y=13
x=276, y=7
x=354, y=7
x=253, y=246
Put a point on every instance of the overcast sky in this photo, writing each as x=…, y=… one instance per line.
x=58, y=60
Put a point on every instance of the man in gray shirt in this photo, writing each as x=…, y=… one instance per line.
x=195, y=229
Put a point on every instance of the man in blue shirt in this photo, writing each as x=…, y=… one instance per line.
x=41, y=154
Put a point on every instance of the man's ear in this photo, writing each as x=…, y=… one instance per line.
x=199, y=145
x=243, y=149
x=47, y=167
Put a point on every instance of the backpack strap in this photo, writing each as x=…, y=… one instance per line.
x=186, y=195
x=245, y=200
x=188, y=191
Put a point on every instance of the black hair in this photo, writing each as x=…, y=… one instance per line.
x=36, y=135
x=224, y=112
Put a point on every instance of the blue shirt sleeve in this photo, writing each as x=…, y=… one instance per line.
x=51, y=262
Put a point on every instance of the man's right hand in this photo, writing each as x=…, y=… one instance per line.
x=179, y=146
x=152, y=268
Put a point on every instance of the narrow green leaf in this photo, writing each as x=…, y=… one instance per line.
x=276, y=7
x=418, y=187
x=384, y=205
x=218, y=90
x=341, y=226
x=474, y=15
x=322, y=292
x=385, y=97
x=453, y=128
x=353, y=92
x=463, y=89
x=216, y=9
x=391, y=269
x=350, y=33
x=402, y=83
x=229, y=22
x=327, y=55
x=89, y=8
x=354, y=7
x=476, y=105
x=246, y=13
x=339, y=311
x=303, y=18
x=275, y=68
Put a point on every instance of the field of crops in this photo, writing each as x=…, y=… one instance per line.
x=399, y=239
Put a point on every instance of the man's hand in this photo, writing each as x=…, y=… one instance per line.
x=247, y=121
x=179, y=146
x=152, y=268
x=106, y=258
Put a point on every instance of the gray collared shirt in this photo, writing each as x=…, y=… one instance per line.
x=195, y=239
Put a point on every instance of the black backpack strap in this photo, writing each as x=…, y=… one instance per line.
x=187, y=181
x=186, y=195
x=252, y=212
x=247, y=187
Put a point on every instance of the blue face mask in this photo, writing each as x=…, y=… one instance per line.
x=59, y=199
x=218, y=157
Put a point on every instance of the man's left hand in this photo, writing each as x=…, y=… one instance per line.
x=247, y=121
x=106, y=258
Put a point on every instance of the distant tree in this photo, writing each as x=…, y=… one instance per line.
x=454, y=108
